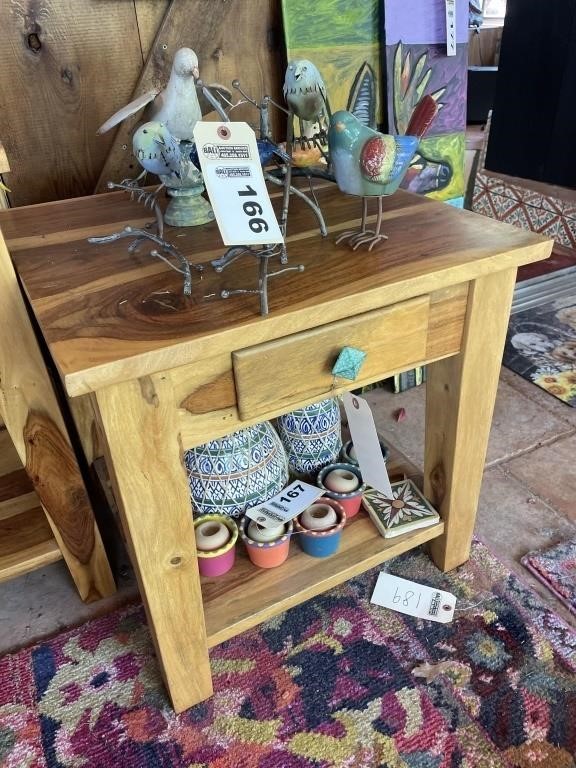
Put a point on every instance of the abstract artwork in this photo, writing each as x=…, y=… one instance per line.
x=343, y=39
x=417, y=64
x=541, y=347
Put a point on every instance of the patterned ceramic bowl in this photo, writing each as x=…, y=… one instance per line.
x=348, y=455
x=240, y=470
x=311, y=436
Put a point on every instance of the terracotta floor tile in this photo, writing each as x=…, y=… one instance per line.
x=520, y=423
x=550, y=473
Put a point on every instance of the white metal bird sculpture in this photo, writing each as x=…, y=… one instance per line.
x=177, y=105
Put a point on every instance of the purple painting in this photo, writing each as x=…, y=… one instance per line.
x=444, y=76
x=422, y=21
x=417, y=65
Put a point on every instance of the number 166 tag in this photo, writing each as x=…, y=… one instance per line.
x=233, y=176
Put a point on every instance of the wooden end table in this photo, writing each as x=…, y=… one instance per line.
x=149, y=373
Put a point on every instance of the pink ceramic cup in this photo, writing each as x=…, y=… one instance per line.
x=218, y=561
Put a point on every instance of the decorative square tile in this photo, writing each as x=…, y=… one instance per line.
x=566, y=234
x=569, y=209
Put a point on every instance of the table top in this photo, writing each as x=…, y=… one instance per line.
x=108, y=315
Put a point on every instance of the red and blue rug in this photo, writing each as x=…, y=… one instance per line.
x=555, y=567
x=334, y=683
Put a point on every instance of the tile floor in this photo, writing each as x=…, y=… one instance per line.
x=528, y=501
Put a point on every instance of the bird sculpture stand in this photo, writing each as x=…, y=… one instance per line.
x=306, y=97
x=165, y=151
x=164, y=146
x=269, y=152
x=372, y=164
x=263, y=256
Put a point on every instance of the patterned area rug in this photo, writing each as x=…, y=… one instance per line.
x=333, y=683
x=541, y=347
x=555, y=567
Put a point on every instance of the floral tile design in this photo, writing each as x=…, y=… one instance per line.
x=525, y=208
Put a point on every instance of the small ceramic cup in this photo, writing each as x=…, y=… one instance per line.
x=266, y=553
x=319, y=517
x=215, y=560
x=348, y=454
x=321, y=543
x=342, y=482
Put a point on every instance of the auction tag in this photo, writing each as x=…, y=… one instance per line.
x=450, y=27
x=233, y=176
x=366, y=444
x=413, y=599
x=286, y=505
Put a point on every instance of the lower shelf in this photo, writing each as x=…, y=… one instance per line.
x=247, y=595
x=26, y=543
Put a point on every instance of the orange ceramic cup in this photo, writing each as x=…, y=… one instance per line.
x=267, y=554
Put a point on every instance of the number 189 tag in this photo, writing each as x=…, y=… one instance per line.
x=413, y=599
x=233, y=176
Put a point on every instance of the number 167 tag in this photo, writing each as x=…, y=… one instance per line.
x=233, y=176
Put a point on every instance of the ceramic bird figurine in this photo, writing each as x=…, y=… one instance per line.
x=157, y=150
x=305, y=94
x=177, y=105
x=372, y=164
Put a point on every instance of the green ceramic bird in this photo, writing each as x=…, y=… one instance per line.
x=372, y=164
x=157, y=150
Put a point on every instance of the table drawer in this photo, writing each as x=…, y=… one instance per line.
x=295, y=368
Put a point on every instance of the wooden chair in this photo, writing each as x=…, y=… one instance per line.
x=45, y=509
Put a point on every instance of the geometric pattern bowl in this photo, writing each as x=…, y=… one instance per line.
x=311, y=436
x=237, y=471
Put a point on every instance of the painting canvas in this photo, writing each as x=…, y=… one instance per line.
x=342, y=37
x=416, y=64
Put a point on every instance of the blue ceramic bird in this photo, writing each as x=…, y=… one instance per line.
x=372, y=164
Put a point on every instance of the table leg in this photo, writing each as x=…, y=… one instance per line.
x=143, y=454
x=460, y=395
x=37, y=428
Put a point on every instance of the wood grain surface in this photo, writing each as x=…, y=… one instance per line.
x=37, y=428
x=26, y=543
x=232, y=39
x=109, y=316
x=64, y=66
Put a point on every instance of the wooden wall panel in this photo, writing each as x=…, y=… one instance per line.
x=232, y=39
x=149, y=14
x=67, y=65
x=64, y=65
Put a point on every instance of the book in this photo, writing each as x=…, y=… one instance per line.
x=409, y=379
x=406, y=511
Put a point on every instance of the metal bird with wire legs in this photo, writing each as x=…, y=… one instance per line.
x=368, y=163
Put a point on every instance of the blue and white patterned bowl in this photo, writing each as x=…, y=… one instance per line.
x=228, y=475
x=311, y=436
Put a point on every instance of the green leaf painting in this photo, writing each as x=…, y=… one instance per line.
x=326, y=23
